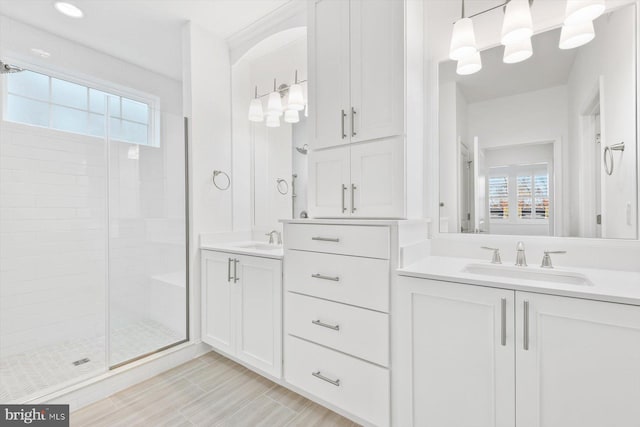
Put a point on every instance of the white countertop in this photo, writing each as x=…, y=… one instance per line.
x=607, y=285
x=234, y=248
x=338, y=221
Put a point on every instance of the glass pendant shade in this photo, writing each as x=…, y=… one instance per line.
x=469, y=64
x=255, y=111
x=572, y=36
x=273, y=121
x=274, y=104
x=291, y=116
x=518, y=52
x=296, y=98
x=582, y=11
x=463, y=40
x=517, y=24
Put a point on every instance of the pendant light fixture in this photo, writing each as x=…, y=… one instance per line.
x=273, y=121
x=469, y=64
x=583, y=11
x=291, y=116
x=274, y=103
x=517, y=24
x=463, y=38
x=518, y=52
x=296, y=96
x=255, y=108
x=572, y=36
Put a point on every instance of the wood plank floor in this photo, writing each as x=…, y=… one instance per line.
x=208, y=391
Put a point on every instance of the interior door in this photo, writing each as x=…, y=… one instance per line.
x=480, y=209
x=329, y=73
x=377, y=69
x=259, y=326
x=377, y=179
x=461, y=348
x=329, y=183
x=218, y=289
x=577, y=362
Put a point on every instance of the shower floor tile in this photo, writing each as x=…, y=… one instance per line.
x=47, y=369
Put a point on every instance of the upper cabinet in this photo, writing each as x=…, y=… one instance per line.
x=356, y=71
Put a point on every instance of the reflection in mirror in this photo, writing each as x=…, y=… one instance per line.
x=523, y=146
x=266, y=163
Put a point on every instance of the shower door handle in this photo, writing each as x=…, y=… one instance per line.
x=235, y=270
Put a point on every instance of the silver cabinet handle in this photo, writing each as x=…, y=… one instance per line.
x=235, y=270
x=525, y=323
x=326, y=325
x=503, y=321
x=322, y=276
x=229, y=270
x=344, y=190
x=323, y=378
x=353, y=121
x=342, y=117
x=353, y=198
x=326, y=239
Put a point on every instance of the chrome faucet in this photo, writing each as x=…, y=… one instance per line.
x=546, y=259
x=521, y=259
x=271, y=240
x=495, y=259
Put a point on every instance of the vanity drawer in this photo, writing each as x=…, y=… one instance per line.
x=356, y=331
x=346, y=382
x=358, y=281
x=358, y=240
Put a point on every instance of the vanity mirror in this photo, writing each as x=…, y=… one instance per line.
x=269, y=123
x=546, y=146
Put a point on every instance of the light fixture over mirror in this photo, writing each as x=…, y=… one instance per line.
x=296, y=102
x=517, y=30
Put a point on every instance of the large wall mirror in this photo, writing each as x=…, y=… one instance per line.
x=546, y=146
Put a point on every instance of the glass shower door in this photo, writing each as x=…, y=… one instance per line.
x=147, y=230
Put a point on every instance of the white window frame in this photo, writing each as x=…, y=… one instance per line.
x=109, y=88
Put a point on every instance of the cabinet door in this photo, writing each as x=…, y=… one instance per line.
x=455, y=355
x=259, y=326
x=218, y=301
x=377, y=69
x=329, y=183
x=581, y=366
x=329, y=73
x=377, y=179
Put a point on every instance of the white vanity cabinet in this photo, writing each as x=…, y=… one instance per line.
x=360, y=181
x=356, y=70
x=242, y=308
x=472, y=355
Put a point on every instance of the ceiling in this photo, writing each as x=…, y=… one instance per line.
x=144, y=32
x=548, y=67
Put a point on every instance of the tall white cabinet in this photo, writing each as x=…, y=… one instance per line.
x=242, y=308
x=476, y=356
x=357, y=164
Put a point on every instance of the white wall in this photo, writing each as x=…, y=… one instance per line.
x=207, y=100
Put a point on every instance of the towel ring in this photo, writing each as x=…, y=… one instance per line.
x=215, y=175
x=282, y=186
x=608, y=156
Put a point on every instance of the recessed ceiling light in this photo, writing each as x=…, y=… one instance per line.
x=68, y=9
x=40, y=52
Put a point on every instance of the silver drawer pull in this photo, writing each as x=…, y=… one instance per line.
x=326, y=239
x=326, y=325
x=323, y=378
x=323, y=277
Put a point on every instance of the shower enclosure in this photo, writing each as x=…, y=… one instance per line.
x=93, y=229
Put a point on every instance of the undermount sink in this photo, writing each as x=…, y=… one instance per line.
x=528, y=273
x=259, y=246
